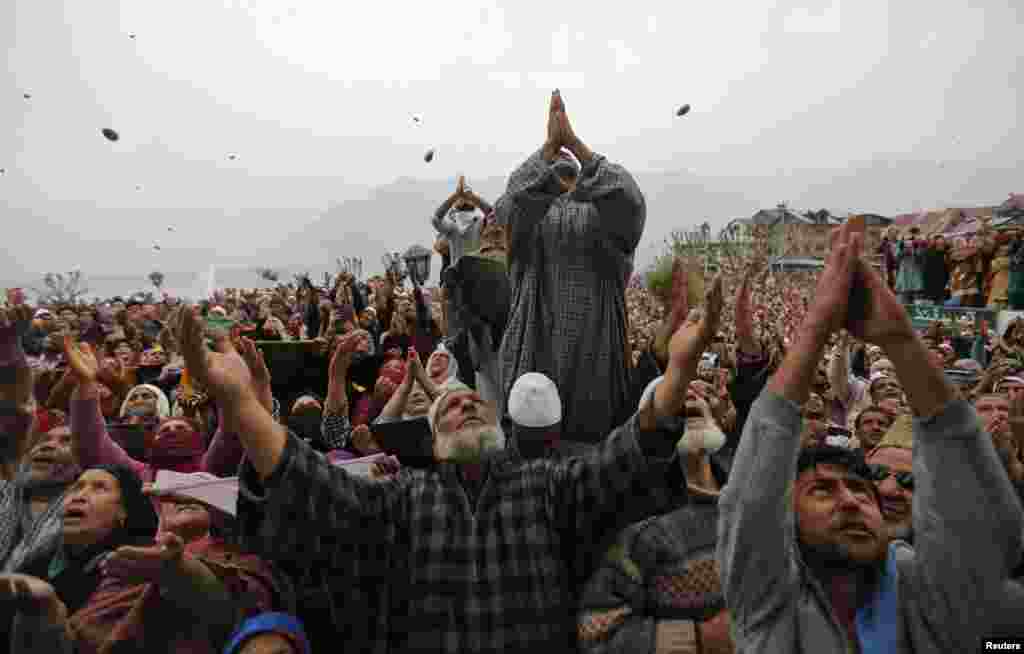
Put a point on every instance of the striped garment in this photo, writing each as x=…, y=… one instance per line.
x=484, y=571
x=336, y=431
x=569, y=259
x=660, y=569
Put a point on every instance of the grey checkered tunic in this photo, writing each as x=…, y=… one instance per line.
x=464, y=574
x=569, y=260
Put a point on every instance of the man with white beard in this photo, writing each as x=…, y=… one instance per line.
x=477, y=548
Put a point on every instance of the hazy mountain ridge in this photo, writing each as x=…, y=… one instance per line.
x=368, y=222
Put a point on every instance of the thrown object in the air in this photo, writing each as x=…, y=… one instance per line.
x=3, y=171
x=138, y=187
x=683, y=110
x=131, y=36
x=170, y=229
x=27, y=96
x=232, y=157
x=156, y=248
x=429, y=156
x=416, y=118
x=110, y=134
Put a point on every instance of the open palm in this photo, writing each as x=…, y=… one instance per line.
x=222, y=372
x=689, y=341
x=82, y=360
x=886, y=322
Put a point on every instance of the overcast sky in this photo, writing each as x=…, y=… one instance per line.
x=315, y=97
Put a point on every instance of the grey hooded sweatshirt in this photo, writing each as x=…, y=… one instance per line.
x=952, y=589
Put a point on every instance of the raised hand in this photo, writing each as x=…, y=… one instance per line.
x=256, y=363
x=414, y=366
x=460, y=190
x=15, y=297
x=1017, y=418
x=554, y=124
x=15, y=322
x=886, y=323
x=81, y=361
x=743, y=319
x=691, y=339
x=143, y=565
x=223, y=373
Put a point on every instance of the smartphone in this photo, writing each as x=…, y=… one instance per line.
x=859, y=304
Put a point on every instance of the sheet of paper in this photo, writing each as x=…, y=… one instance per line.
x=218, y=492
x=360, y=466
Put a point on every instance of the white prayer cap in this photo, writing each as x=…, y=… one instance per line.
x=534, y=401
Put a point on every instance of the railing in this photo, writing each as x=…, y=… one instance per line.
x=923, y=315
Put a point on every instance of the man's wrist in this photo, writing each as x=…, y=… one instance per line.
x=670, y=395
x=580, y=151
x=237, y=400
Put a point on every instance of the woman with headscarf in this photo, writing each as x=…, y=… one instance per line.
x=145, y=401
x=102, y=510
x=420, y=386
x=115, y=590
x=370, y=405
x=177, y=443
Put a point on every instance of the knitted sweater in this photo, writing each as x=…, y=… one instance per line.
x=662, y=568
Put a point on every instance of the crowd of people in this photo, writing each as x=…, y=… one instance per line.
x=539, y=454
x=978, y=269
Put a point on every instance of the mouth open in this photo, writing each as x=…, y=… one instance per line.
x=74, y=514
x=858, y=531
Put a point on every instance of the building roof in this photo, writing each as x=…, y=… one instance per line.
x=777, y=215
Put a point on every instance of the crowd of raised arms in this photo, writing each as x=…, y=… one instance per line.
x=538, y=455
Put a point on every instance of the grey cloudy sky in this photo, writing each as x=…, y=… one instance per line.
x=315, y=98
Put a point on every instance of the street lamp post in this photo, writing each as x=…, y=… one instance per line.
x=417, y=262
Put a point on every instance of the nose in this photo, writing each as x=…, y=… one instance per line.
x=845, y=499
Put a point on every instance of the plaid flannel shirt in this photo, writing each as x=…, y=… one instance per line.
x=464, y=574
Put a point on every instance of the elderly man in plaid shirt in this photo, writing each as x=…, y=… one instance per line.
x=477, y=547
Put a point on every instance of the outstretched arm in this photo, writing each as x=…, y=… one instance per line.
x=16, y=405
x=93, y=443
x=756, y=524
x=956, y=470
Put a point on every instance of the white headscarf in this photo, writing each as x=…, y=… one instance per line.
x=453, y=364
x=463, y=219
x=163, y=407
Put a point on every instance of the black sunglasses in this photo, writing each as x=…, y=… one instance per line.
x=879, y=473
